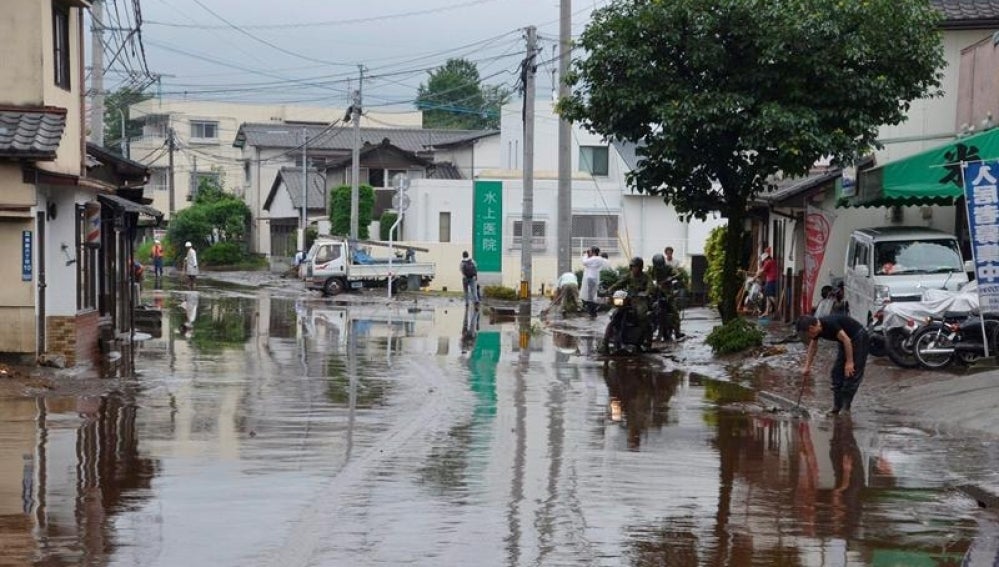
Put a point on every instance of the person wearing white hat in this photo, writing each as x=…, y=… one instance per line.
x=190, y=264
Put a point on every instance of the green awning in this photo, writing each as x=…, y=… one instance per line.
x=932, y=177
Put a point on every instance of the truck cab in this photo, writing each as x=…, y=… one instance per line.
x=891, y=264
x=334, y=265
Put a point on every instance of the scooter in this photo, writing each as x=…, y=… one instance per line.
x=955, y=337
x=627, y=333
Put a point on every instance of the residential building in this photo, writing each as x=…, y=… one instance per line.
x=42, y=185
x=605, y=212
x=270, y=147
x=933, y=125
x=202, y=134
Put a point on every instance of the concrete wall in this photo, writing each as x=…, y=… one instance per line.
x=21, y=60
x=69, y=158
x=931, y=121
x=645, y=226
x=978, y=90
x=17, y=298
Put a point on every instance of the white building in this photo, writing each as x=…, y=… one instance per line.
x=606, y=213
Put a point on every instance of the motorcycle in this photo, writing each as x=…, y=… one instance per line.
x=666, y=307
x=956, y=336
x=893, y=328
x=627, y=332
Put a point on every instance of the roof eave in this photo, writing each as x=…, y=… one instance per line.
x=971, y=24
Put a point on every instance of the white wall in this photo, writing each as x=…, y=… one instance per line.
x=931, y=121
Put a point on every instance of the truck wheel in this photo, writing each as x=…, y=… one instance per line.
x=334, y=286
x=399, y=284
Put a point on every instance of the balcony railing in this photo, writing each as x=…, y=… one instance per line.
x=538, y=243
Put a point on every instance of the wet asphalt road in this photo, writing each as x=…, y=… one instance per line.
x=269, y=429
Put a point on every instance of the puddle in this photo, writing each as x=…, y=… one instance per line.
x=284, y=431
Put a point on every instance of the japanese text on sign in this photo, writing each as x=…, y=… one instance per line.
x=487, y=228
x=981, y=191
x=26, y=256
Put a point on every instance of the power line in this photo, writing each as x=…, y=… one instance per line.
x=342, y=22
x=264, y=41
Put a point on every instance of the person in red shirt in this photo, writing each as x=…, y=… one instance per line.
x=768, y=273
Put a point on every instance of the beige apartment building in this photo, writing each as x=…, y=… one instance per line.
x=203, y=134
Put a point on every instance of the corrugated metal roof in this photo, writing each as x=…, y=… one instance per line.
x=294, y=182
x=31, y=133
x=792, y=187
x=279, y=135
x=971, y=14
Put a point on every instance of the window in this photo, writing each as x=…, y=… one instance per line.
x=595, y=230
x=376, y=177
x=86, y=265
x=593, y=160
x=60, y=45
x=538, y=237
x=205, y=130
x=159, y=179
x=247, y=173
x=444, y=230
x=917, y=257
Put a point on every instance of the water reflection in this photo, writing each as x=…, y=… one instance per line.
x=302, y=428
x=639, y=397
x=84, y=471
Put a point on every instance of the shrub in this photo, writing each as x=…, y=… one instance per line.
x=340, y=210
x=387, y=220
x=735, y=336
x=714, y=252
x=500, y=292
x=223, y=254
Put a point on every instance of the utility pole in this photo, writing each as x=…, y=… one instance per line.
x=171, y=146
x=355, y=166
x=305, y=188
x=527, y=220
x=97, y=72
x=564, y=230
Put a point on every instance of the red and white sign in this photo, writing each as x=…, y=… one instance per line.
x=818, y=227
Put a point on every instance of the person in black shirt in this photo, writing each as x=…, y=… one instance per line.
x=848, y=370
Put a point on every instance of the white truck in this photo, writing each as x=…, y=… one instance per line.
x=335, y=265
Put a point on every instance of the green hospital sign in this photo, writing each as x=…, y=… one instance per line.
x=487, y=226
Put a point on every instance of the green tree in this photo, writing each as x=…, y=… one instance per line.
x=455, y=98
x=340, y=210
x=722, y=96
x=121, y=99
x=214, y=217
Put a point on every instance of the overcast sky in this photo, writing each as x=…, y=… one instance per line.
x=316, y=45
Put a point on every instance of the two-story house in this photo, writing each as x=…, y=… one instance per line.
x=274, y=151
x=47, y=263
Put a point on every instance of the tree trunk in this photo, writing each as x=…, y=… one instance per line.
x=731, y=282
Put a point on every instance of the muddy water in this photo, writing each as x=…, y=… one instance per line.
x=270, y=431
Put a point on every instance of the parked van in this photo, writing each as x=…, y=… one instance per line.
x=899, y=263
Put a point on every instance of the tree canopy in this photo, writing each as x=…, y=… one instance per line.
x=722, y=96
x=455, y=98
x=215, y=217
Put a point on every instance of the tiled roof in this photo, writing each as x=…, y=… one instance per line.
x=282, y=135
x=792, y=187
x=444, y=170
x=31, y=133
x=971, y=14
x=293, y=182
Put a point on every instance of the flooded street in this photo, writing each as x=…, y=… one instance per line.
x=269, y=429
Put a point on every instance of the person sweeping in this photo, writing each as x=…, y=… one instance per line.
x=848, y=370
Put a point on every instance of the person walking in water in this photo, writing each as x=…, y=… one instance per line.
x=190, y=265
x=157, y=255
x=848, y=370
x=469, y=279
